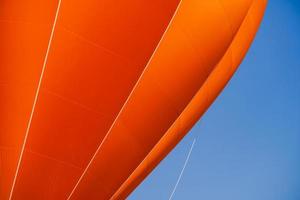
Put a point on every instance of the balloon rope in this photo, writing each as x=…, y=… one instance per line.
x=182, y=170
x=35, y=100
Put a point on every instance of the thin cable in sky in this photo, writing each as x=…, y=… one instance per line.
x=182, y=170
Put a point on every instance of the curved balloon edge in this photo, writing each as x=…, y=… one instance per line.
x=205, y=96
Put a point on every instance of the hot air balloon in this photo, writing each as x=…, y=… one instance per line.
x=95, y=93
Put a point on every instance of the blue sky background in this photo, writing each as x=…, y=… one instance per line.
x=248, y=142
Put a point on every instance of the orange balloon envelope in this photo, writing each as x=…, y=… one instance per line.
x=95, y=93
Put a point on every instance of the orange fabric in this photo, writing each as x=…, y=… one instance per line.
x=98, y=51
x=24, y=36
x=113, y=100
x=175, y=74
x=201, y=101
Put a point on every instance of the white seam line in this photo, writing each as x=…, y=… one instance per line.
x=182, y=170
x=136, y=84
x=135, y=169
x=178, y=6
x=35, y=100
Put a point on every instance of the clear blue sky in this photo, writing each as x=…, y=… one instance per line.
x=248, y=143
